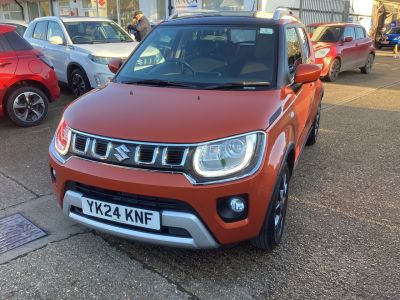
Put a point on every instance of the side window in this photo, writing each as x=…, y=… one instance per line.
x=54, y=30
x=17, y=42
x=293, y=50
x=305, y=48
x=29, y=30
x=5, y=45
x=40, y=31
x=360, y=33
x=349, y=31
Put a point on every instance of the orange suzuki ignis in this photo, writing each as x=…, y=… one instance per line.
x=194, y=141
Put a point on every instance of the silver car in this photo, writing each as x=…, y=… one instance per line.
x=80, y=48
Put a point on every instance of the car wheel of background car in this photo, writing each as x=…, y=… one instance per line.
x=368, y=65
x=27, y=106
x=79, y=83
x=334, y=71
x=271, y=234
x=312, y=138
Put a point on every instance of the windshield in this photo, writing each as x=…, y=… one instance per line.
x=91, y=32
x=204, y=57
x=327, y=34
x=394, y=31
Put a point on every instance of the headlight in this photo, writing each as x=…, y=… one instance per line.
x=100, y=59
x=62, y=138
x=228, y=156
x=322, y=53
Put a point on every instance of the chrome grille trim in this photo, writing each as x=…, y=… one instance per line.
x=165, y=156
x=140, y=162
x=77, y=151
x=101, y=157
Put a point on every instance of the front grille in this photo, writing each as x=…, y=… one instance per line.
x=101, y=147
x=131, y=154
x=174, y=156
x=146, y=154
x=139, y=201
x=80, y=143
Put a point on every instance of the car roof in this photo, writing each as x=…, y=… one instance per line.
x=7, y=28
x=229, y=18
x=338, y=24
x=73, y=19
x=16, y=22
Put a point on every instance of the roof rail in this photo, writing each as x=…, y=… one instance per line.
x=192, y=13
x=281, y=12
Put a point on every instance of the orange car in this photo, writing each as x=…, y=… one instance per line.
x=194, y=141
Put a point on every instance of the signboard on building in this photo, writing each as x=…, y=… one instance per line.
x=182, y=5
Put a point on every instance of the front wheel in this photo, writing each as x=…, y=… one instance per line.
x=272, y=231
x=334, y=71
x=79, y=83
x=368, y=64
x=27, y=106
x=312, y=138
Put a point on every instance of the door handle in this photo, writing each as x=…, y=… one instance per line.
x=3, y=64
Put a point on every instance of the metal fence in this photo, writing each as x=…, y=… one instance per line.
x=318, y=11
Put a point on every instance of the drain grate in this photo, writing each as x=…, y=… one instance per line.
x=15, y=231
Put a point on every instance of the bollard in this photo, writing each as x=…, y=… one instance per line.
x=396, y=51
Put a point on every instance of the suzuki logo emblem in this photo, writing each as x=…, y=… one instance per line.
x=122, y=153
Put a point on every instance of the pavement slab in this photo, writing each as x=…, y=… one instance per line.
x=81, y=268
x=12, y=193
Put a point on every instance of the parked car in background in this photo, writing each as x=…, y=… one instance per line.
x=194, y=148
x=80, y=48
x=27, y=80
x=341, y=47
x=21, y=25
x=390, y=38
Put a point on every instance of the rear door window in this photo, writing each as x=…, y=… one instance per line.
x=4, y=46
x=16, y=42
x=40, y=31
x=360, y=33
x=349, y=31
x=293, y=50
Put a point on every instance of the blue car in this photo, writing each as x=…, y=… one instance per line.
x=391, y=38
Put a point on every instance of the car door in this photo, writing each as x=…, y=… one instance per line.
x=55, y=51
x=38, y=39
x=363, y=44
x=8, y=65
x=302, y=94
x=349, y=50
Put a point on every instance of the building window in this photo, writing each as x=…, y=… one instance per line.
x=38, y=9
x=10, y=11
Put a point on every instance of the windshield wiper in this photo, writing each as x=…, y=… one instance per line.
x=231, y=85
x=158, y=82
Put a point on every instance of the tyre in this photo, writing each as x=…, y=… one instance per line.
x=271, y=233
x=27, y=106
x=312, y=138
x=334, y=71
x=368, y=64
x=79, y=83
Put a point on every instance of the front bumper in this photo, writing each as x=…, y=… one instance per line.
x=199, y=235
x=205, y=227
x=324, y=63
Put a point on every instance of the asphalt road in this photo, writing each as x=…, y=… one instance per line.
x=342, y=236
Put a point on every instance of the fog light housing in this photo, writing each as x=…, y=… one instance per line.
x=233, y=208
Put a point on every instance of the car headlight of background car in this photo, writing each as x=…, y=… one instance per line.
x=100, y=59
x=231, y=157
x=322, y=53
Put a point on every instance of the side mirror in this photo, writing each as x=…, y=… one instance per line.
x=307, y=73
x=348, y=39
x=56, y=40
x=115, y=64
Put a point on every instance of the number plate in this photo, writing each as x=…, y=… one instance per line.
x=121, y=214
x=385, y=42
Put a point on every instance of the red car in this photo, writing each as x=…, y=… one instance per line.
x=27, y=80
x=341, y=47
